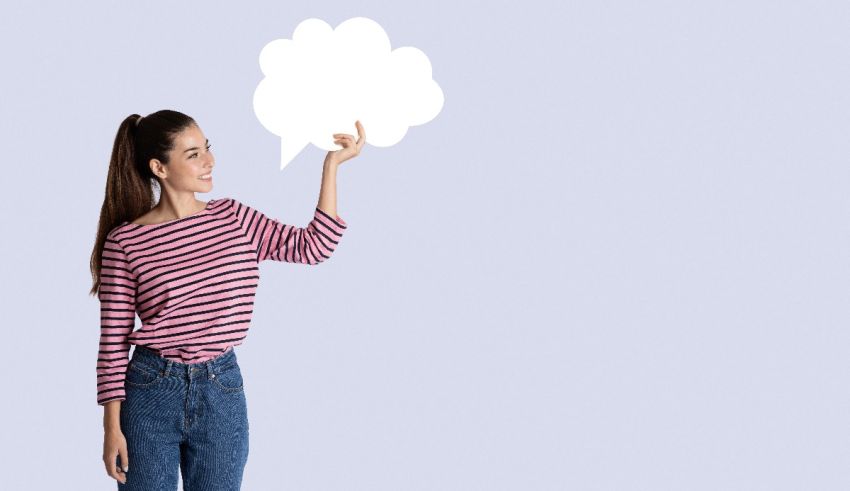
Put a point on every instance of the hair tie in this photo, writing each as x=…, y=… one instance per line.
x=137, y=121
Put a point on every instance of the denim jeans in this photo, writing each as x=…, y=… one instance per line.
x=188, y=416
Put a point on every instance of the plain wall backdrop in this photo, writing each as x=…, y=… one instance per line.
x=616, y=260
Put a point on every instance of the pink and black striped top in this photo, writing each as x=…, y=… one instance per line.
x=192, y=282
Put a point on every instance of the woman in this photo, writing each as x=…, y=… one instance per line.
x=189, y=269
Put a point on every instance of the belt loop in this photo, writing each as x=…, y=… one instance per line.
x=167, y=367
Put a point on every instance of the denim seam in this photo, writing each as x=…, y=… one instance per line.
x=224, y=387
x=157, y=376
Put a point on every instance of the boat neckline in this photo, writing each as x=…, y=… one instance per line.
x=206, y=208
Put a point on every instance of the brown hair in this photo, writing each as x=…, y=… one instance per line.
x=130, y=181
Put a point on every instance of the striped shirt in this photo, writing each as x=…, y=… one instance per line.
x=192, y=282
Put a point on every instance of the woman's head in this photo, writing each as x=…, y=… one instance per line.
x=174, y=157
x=165, y=149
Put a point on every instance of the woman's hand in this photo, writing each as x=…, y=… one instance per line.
x=350, y=148
x=114, y=444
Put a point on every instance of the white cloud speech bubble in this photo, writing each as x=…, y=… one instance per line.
x=323, y=79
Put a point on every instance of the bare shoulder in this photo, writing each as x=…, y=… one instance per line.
x=149, y=218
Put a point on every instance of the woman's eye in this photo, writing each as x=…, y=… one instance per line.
x=196, y=153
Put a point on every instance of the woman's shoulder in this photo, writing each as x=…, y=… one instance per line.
x=114, y=235
x=235, y=204
x=149, y=218
x=226, y=202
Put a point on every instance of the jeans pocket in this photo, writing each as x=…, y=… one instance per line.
x=141, y=376
x=228, y=379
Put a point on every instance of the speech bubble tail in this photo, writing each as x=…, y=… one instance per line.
x=289, y=148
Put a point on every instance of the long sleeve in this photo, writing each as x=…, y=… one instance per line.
x=281, y=242
x=117, y=318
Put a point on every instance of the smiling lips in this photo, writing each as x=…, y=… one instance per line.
x=206, y=177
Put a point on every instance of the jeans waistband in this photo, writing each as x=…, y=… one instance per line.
x=153, y=359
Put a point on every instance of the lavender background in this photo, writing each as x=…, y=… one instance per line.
x=617, y=260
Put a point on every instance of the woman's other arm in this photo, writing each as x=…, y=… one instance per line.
x=350, y=148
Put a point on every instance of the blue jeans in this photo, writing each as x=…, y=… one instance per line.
x=188, y=416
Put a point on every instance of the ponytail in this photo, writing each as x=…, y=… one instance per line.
x=130, y=181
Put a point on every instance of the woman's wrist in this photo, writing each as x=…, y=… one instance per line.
x=112, y=416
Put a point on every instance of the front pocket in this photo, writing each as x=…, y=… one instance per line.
x=229, y=379
x=140, y=375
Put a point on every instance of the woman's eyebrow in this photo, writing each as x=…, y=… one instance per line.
x=194, y=148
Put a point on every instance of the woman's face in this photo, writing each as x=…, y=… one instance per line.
x=188, y=161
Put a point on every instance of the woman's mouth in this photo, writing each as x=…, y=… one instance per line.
x=206, y=177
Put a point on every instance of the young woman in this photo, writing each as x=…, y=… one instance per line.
x=189, y=269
